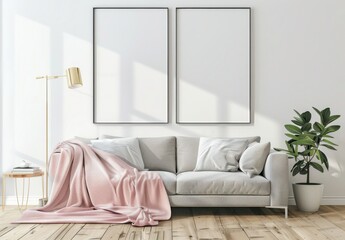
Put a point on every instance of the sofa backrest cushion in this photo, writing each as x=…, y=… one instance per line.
x=159, y=153
x=125, y=148
x=187, y=151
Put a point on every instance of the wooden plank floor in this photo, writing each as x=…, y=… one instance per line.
x=195, y=223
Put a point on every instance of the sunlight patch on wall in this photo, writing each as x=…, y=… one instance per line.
x=268, y=128
x=109, y=83
x=206, y=98
x=235, y=111
x=335, y=168
x=146, y=77
x=77, y=103
x=31, y=59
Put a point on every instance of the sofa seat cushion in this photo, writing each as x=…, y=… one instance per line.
x=225, y=183
x=169, y=180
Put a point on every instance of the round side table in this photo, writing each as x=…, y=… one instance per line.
x=25, y=176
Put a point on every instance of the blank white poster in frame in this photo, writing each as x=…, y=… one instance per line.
x=213, y=65
x=130, y=47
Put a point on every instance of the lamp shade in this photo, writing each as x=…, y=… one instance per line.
x=74, y=77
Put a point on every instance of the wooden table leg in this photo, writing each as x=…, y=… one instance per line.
x=23, y=193
x=27, y=194
x=16, y=186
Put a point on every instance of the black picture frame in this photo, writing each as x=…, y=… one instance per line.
x=177, y=102
x=167, y=115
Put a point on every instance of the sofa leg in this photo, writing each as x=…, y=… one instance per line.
x=286, y=209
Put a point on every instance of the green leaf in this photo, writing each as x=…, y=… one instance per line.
x=303, y=171
x=333, y=118
x=297, y=167
x=329, y=142
x=317, y=139
x=326, y=113
x=306, y=152
x=306, y=127
x=328, y=136
x=322, y=157
x=320, y=114
x=298, y=164
x=316, y=166
x=289, y=147
x=317, y=154
x=310, y=134
x=293, y=129
x=326, y=164
x=295, y=171
x=306, y=116
x=280, y=150
x=318, y=127
x=294, y=137
x=331, y=129
x=297, y=122
x=328, y=146
x=295, y=148
x=298, y=113
x=305, y=141
x=290, y=150
x=299, y=119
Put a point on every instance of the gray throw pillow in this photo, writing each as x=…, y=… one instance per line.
x=254, y=158
x=159, y=153
x=126, y=148
x=219, y=154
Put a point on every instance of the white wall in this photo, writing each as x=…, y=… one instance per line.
x=298, y=60
x=1, y=85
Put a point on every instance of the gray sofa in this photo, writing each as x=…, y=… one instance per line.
x=174, y=158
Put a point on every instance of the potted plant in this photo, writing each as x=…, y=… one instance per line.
x=305, y=142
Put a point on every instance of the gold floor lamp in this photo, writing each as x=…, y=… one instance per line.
x=74, y=81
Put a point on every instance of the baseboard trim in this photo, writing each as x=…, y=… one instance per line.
x=326, y=200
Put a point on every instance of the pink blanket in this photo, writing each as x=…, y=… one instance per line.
x=92, y=186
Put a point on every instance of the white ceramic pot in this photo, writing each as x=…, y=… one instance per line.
x=308, y=196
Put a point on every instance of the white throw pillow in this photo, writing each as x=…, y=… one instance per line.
x=254, y=157
x=219, y=154
x=126, y=148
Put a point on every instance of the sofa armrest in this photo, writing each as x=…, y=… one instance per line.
x=276, y=170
